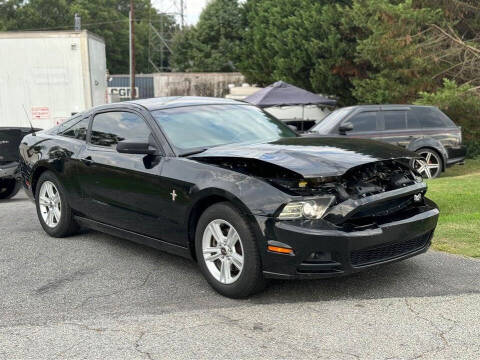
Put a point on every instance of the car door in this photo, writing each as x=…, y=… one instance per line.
x=365, y=124
x=124, y=190
x=394, y=128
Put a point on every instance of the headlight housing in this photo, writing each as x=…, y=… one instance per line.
x=306, y=209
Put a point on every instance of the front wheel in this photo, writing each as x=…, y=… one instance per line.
x=53, y=210
x=430, y=165
x=8, y=188
x=227, y=252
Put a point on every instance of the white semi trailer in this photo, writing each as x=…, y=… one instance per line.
x=52, y=74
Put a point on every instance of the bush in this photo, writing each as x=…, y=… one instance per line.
x=462, y=105
x=473, y=148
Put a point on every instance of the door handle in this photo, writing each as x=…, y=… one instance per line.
x=87, y=160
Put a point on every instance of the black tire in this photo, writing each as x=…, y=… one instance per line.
x=9, y=188
x=67, y=225
x=250, y=280
x=435, y=159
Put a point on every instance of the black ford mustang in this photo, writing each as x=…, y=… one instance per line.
x=228, y=185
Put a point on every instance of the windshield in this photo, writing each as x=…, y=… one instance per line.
x=330, y=121
x=193, y=127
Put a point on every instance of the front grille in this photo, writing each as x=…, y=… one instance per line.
x=390, y=251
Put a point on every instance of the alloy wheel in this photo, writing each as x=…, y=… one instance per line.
x=429, y=166
x=223, y=251
x=50, y=204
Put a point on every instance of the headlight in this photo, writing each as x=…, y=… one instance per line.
x=309, y=209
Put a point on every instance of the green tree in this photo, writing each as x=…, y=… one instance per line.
x=303, y=42
x=212, y=44
x=387, y=47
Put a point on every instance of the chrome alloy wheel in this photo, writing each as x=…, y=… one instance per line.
x=429, y=165
x=223, y=251
x=50, y=204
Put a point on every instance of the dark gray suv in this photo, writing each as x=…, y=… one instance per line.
x=423, y=129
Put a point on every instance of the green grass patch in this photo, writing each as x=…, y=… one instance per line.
x=457, y=194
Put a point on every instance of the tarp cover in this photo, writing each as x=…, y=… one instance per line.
x=282, y=94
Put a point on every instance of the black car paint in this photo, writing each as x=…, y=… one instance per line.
x=131, y=195
x=445, y=140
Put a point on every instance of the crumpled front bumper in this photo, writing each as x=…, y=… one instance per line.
x=344, y=252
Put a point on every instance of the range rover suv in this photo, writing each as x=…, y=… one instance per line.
x=423, y=129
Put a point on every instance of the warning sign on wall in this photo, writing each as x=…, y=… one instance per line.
x=40, y=112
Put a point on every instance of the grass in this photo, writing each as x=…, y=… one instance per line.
x=457, y=193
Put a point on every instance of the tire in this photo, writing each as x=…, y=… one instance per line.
x=65, y=225
x=432, y=164
x=9, y=188
x=247, y=281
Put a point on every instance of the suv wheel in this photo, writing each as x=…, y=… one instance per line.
x=53, y=210
x=431, y=164
x=227, y=252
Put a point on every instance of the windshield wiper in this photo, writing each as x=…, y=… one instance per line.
x=192, y=152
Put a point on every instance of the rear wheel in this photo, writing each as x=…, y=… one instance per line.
x=8, y=188
x=430, y=165
x=53, y=210
x=227, y=252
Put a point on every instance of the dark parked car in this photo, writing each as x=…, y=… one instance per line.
x=224, y=183
x=10, y=138
x=423, y=129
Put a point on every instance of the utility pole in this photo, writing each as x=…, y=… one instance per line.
x=182, y=14
x=132, y=51
x=78, y=22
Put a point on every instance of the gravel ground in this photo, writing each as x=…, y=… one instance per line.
x=93, y=296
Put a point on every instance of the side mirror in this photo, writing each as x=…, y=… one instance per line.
x=345, y=127
x=293, y=127
x=132, y=147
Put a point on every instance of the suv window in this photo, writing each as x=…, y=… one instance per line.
x=76, y=131
x=365, y=121
x=111, y=127
x=395, y=120
x=432, y=118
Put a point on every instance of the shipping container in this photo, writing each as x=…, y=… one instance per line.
x=50, y=75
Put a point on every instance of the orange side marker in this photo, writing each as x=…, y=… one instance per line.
x=280, y=250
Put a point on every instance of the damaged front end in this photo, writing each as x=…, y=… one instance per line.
x=365, y=195
x=372, y=213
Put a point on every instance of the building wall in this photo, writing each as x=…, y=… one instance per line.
x=195, y=84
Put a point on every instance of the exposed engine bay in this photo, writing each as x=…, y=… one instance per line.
x=361, y=181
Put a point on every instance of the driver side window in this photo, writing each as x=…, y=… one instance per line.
x=109, y=128
x=364, y=121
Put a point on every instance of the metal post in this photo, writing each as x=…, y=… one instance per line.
x=78, y=22
x=132, y=51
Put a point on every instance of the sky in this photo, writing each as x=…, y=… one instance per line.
x=193, y=8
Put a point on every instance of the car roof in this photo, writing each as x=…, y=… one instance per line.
x=385, y=106
x=180, y=101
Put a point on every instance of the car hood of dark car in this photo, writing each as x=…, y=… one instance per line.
x=311, y=157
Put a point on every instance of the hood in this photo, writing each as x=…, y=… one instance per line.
x=312, y=157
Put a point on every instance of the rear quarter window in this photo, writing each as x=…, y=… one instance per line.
x=432, y=118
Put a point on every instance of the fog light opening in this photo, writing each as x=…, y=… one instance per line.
x=320, y=256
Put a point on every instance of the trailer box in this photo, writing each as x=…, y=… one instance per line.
x=50, y=75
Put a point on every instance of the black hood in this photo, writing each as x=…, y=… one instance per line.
x=312, y=157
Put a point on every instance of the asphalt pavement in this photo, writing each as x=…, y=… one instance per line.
x=94, y=296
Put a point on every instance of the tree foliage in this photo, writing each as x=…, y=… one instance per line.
x=213, y=43
x=302, y=42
